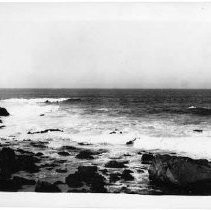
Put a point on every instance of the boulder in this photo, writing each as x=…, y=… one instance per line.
x=63, y=153
x=45, y=131
x=115, y=177
x=85, y=154
x=4, y=112
x=126, y=175
x=198, y=130
x=88, y=175
x=20, y=181
x=116, y=164
x=131, y=142
x=42, y=186
x=8, y=162
x=11, y=163
x=182, y=172
x=147, y=158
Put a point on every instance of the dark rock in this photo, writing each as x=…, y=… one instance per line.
x=27, y=163
x=39, y=144
x=86, y=154
x=7, y=162
x=41, y=115
x=198, y=130
x=130, y=142
x=59, y=170
x=192, y=175
x=4, y=112
x=116, y=164
x=70, y=148
x=42, y=186
x=115, y=177
x=126, y=175
x=63, y=153
x=84, y=143
x=104, y=171
x=39, y=154
x=45, y=131
x=21, y=151
x=8, y=185
x=74, y=180
x=89, y=176
x=147, y=158
x=140, y=171
x=23, y=181
x=58, y=183
x=113, y=132
x=11, y=163
x=1, y=121
x=2, y=126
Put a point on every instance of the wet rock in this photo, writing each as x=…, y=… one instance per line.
x=58, y=183
x=47, y=102
x=140, y=171
x=42, y=186
x=126, y=175
x=116, y=164
x=39, y=144
x=63, y=153
x=8, y=185
x=74, y=180
x=70, y=148
x=20, y=181
x=3, y=112
x=21, y=151
x=88, y=175
x=86, y=154
x=113, y=132
x=8, y=162
x=45, y=131
x=104, y=171
x=192, y=175
x=59, y=170
x=39, y=154
x=27, y=163
x=11, y=163
x=198, y=130
x=147, y=158
x=84, y=143
x=115, y=177
x=131, y=142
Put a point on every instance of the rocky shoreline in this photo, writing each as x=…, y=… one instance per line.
x=31, y=165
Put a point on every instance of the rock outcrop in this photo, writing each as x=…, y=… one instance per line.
x=89, y=176
x=4, y=112
x=193, y=176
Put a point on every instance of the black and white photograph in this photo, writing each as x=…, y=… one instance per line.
x=111, y=98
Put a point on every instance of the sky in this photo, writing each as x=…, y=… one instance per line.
x=106, y=45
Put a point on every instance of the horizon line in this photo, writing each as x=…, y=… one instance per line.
x=109, y=88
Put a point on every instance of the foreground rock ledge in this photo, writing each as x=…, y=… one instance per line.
x=181, y=172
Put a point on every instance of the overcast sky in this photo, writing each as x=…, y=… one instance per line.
x=105, y=45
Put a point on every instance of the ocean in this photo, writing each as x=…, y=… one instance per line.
x=160, y=119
